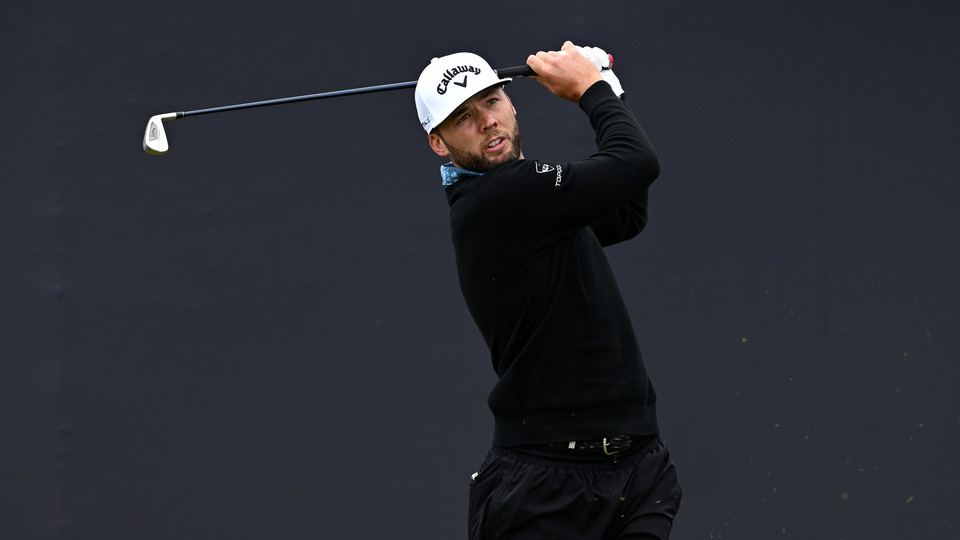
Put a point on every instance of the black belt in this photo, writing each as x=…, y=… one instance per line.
x=609, y=445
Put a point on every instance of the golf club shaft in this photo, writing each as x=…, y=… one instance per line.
x=516, y=71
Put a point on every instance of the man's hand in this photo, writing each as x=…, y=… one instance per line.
x=566, y=73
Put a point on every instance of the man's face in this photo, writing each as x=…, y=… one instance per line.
x=480, y=134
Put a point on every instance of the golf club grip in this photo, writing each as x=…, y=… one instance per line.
x=515, y=71
x=527, y=71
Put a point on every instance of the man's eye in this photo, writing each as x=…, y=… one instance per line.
x=462, y=118
x=492, y=101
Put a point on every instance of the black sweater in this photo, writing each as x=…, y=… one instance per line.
x=528, y=238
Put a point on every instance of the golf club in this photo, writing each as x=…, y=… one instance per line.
x=155, y=138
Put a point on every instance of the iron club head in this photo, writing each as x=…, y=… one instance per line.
x=154, y=137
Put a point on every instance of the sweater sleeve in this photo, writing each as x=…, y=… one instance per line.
x=624, y=223
x=605, y=190
x=629, y=220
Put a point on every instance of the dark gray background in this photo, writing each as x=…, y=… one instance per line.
x=260, y=334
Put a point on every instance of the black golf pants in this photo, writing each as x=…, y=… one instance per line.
x=555, y=494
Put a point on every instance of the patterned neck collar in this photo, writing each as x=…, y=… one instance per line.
x=452, y=174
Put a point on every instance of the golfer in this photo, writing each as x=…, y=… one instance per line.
x=576, y=451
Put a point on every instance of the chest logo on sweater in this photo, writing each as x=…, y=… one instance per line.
x=547, y=168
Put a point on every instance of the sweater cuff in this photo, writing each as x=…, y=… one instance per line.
x=596, y=93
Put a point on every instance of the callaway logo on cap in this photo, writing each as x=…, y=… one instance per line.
x=449, y=81
x=451, y=73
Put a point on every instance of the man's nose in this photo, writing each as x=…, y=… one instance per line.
x=487, y=121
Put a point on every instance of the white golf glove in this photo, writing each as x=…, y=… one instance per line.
x=601, y=59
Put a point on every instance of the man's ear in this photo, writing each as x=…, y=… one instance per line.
x=437, y=145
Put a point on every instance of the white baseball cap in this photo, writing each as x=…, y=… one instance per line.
x=449, y=81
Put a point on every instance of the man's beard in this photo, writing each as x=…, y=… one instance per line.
x=477, y=162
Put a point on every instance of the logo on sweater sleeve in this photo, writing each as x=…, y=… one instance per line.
x=543, y=168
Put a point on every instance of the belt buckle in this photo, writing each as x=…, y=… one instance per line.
x=607, y=452
x=621, y=442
